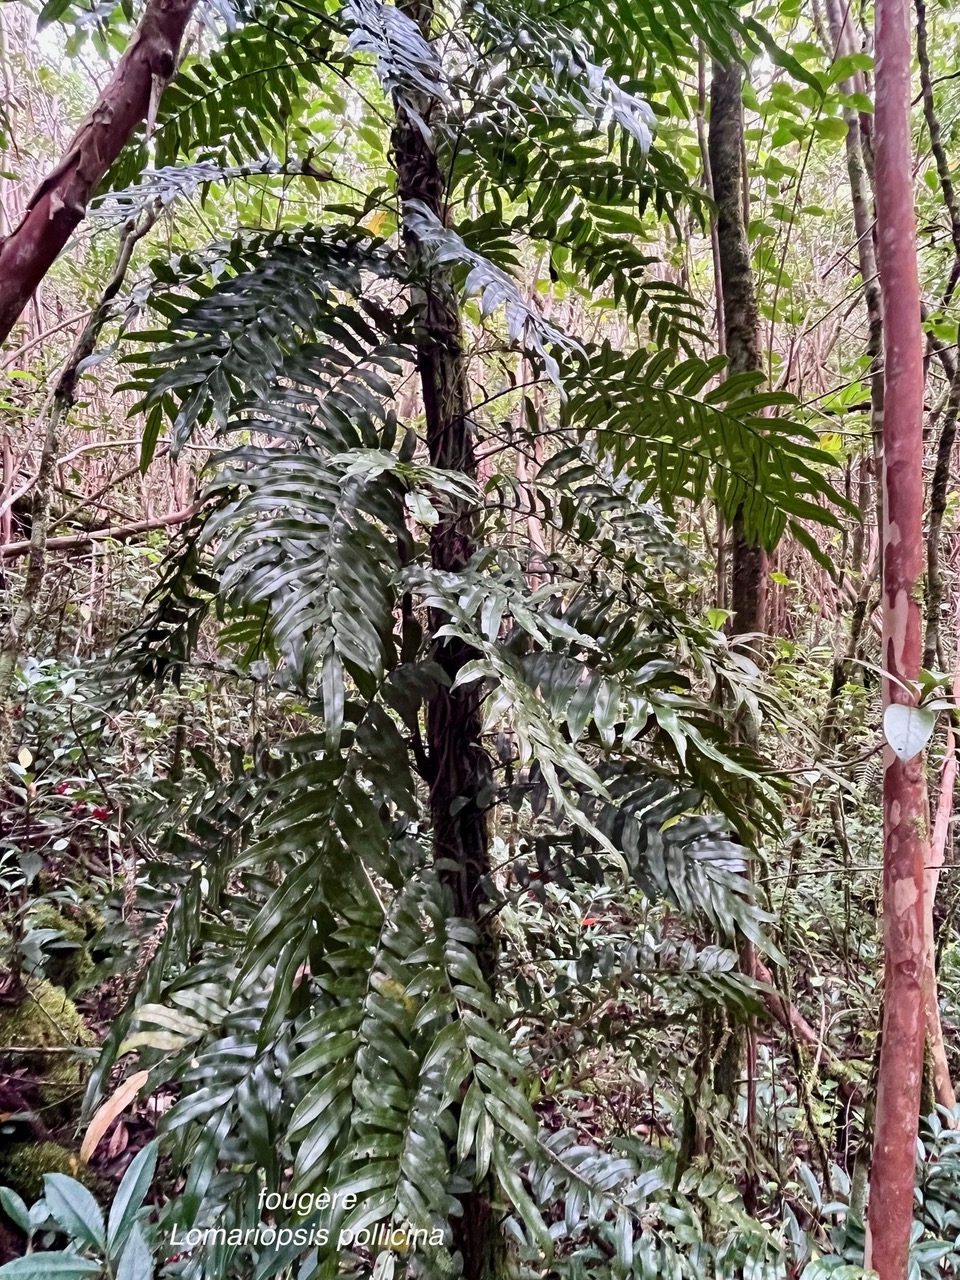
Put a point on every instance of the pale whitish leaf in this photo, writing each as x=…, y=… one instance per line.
x=422, y=509
x=172, y=1019
x=39, y=1214
x=50, y=1266
x=405, y=60
x=525, y=324
x=384, y=1267
x=484, y=1145
x=166, y=1041
x=810, y=1182
x=25, y=756
x=14, y=1208
x=907, y=729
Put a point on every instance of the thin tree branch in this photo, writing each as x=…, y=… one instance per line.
x=115, y=533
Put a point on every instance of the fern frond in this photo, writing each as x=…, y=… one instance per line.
x=236, y=102
x=663, y=424
x=404, y=59
x=492, y=285
x=277, y=319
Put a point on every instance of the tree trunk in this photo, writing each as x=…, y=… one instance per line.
x=748, y=571
x=459, y=768
x=740, y=316
x=939, y=488
x=59, y=204
x=858, y=174
x=933, y=128
x=941, y=475
x=905, y=815
x=943, y=1090
x=939, y=492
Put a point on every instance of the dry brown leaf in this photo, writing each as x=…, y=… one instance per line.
x=106, y=1115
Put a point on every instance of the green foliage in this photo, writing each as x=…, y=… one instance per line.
x=241, y=100
x=117, y=1247
x=341, y=1019
x=277, y=316
x=65, y=940
x=24, y=1164
x=663, y=423
x=933, y=1239
x=300, y=979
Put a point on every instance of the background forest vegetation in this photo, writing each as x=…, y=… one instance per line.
x=442, y=689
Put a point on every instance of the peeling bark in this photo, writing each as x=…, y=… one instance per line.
x=943, y=1089
x=944, y=1092
x=59, y=204
x=939, y=491
x=948, y=433
x=906, y=843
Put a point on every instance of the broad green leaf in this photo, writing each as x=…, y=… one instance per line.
x=15, y=1208
x=136, y=1262
x=130, y=1196
x=75, y=1209
x=51, y=12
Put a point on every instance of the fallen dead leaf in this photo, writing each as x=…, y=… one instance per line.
x=106, y=1115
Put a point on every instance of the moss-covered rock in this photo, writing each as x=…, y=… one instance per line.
x=68, y=965
x=23, y=1164
x=45, y=1018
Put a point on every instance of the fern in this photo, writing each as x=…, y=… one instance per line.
x=492, y=285
x=254, y=328
x=665, y=425
x=326, y=571
x=404, y=59
x=173, y=182
x=236, y=103
x=341, y=1020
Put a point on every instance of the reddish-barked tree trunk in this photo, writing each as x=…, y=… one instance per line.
x=59, y=204
x=905, y=816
